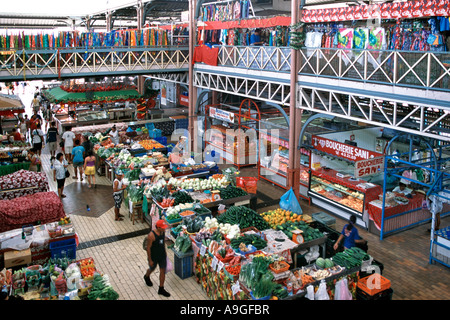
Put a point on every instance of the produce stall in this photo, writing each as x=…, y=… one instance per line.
x=33, y=242
x=231, y=262
x=60, y=278
x=13, y=157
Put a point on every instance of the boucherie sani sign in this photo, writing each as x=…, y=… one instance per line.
x=369, y=167
x=342, y=150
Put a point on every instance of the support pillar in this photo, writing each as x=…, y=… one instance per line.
x=293, y=172
x=192, y=90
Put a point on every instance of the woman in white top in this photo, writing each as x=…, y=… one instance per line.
x=59, y=173
x=118, y=188
x=114, y=134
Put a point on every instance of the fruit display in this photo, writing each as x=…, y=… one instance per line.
x=280, y=216
x=151, y=144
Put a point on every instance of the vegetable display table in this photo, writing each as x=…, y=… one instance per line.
x=40, y=247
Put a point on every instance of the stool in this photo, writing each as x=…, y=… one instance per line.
x=137, y=213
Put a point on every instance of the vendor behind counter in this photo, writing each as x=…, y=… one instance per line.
x=403, y=189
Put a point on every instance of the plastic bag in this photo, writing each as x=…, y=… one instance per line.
x=322, y=293
x=310, y=292
x=341, y=291
x=169, y=265
x=289, y=202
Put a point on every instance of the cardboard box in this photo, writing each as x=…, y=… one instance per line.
x=17, y=258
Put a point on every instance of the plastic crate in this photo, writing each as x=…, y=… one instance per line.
x=383, y=295
x=381, y=284
x=324, y=218
x=162, y=140
x=63, y=248
x=248, y=184
x=183, y=264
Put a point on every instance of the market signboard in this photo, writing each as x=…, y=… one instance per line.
x=221, y=115
x=369, y=167
x=342, y=150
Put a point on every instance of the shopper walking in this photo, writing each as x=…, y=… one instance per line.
x=89, y=168
x=68, y=138
x=36, y=104
x=157, y=255
x=118, y=188
x=34, y=160
x=52, y=138
x=78, y=160
x=59, y=173
x=47, y=115
x=350, y=235
x=38, y=139
x=23, y=126
x=34, y=121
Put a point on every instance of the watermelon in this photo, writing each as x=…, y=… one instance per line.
x=320, y=262
x=328, y=263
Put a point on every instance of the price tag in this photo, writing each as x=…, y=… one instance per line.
x=235, y=288
x=203, y=250
x=214, y=263
x=220, y=266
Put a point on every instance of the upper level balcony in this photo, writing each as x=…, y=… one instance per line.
x=428, y=71
x=28, y=64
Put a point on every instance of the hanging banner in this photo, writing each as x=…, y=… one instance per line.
x=393, y=10
x=342, y=150
x=369, y=167
x=221, y=115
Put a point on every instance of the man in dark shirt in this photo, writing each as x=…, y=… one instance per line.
x=156, y=254
x=52, y=137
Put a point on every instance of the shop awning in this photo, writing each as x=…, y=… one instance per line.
x=58, y=95
x=9, y=105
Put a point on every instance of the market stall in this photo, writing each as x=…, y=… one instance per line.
x=10, y=106
x=344, y=175
x=274, y=150
x=233, y=132
x=39, y=263
x=21, y=183
x=231, y=262
x=40, y=207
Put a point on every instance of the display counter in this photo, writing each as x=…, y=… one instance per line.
x=335, y=190
x=399, y=215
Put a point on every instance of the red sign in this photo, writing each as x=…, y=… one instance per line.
x=369, y=167
x=184, y=100
x=342, y=150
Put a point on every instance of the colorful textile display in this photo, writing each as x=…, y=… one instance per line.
x=21, y=183
x=148, y=37
x=42, y=206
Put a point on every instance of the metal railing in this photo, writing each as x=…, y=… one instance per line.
x=69, y=62
x=419, y=69
x=256, y=57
